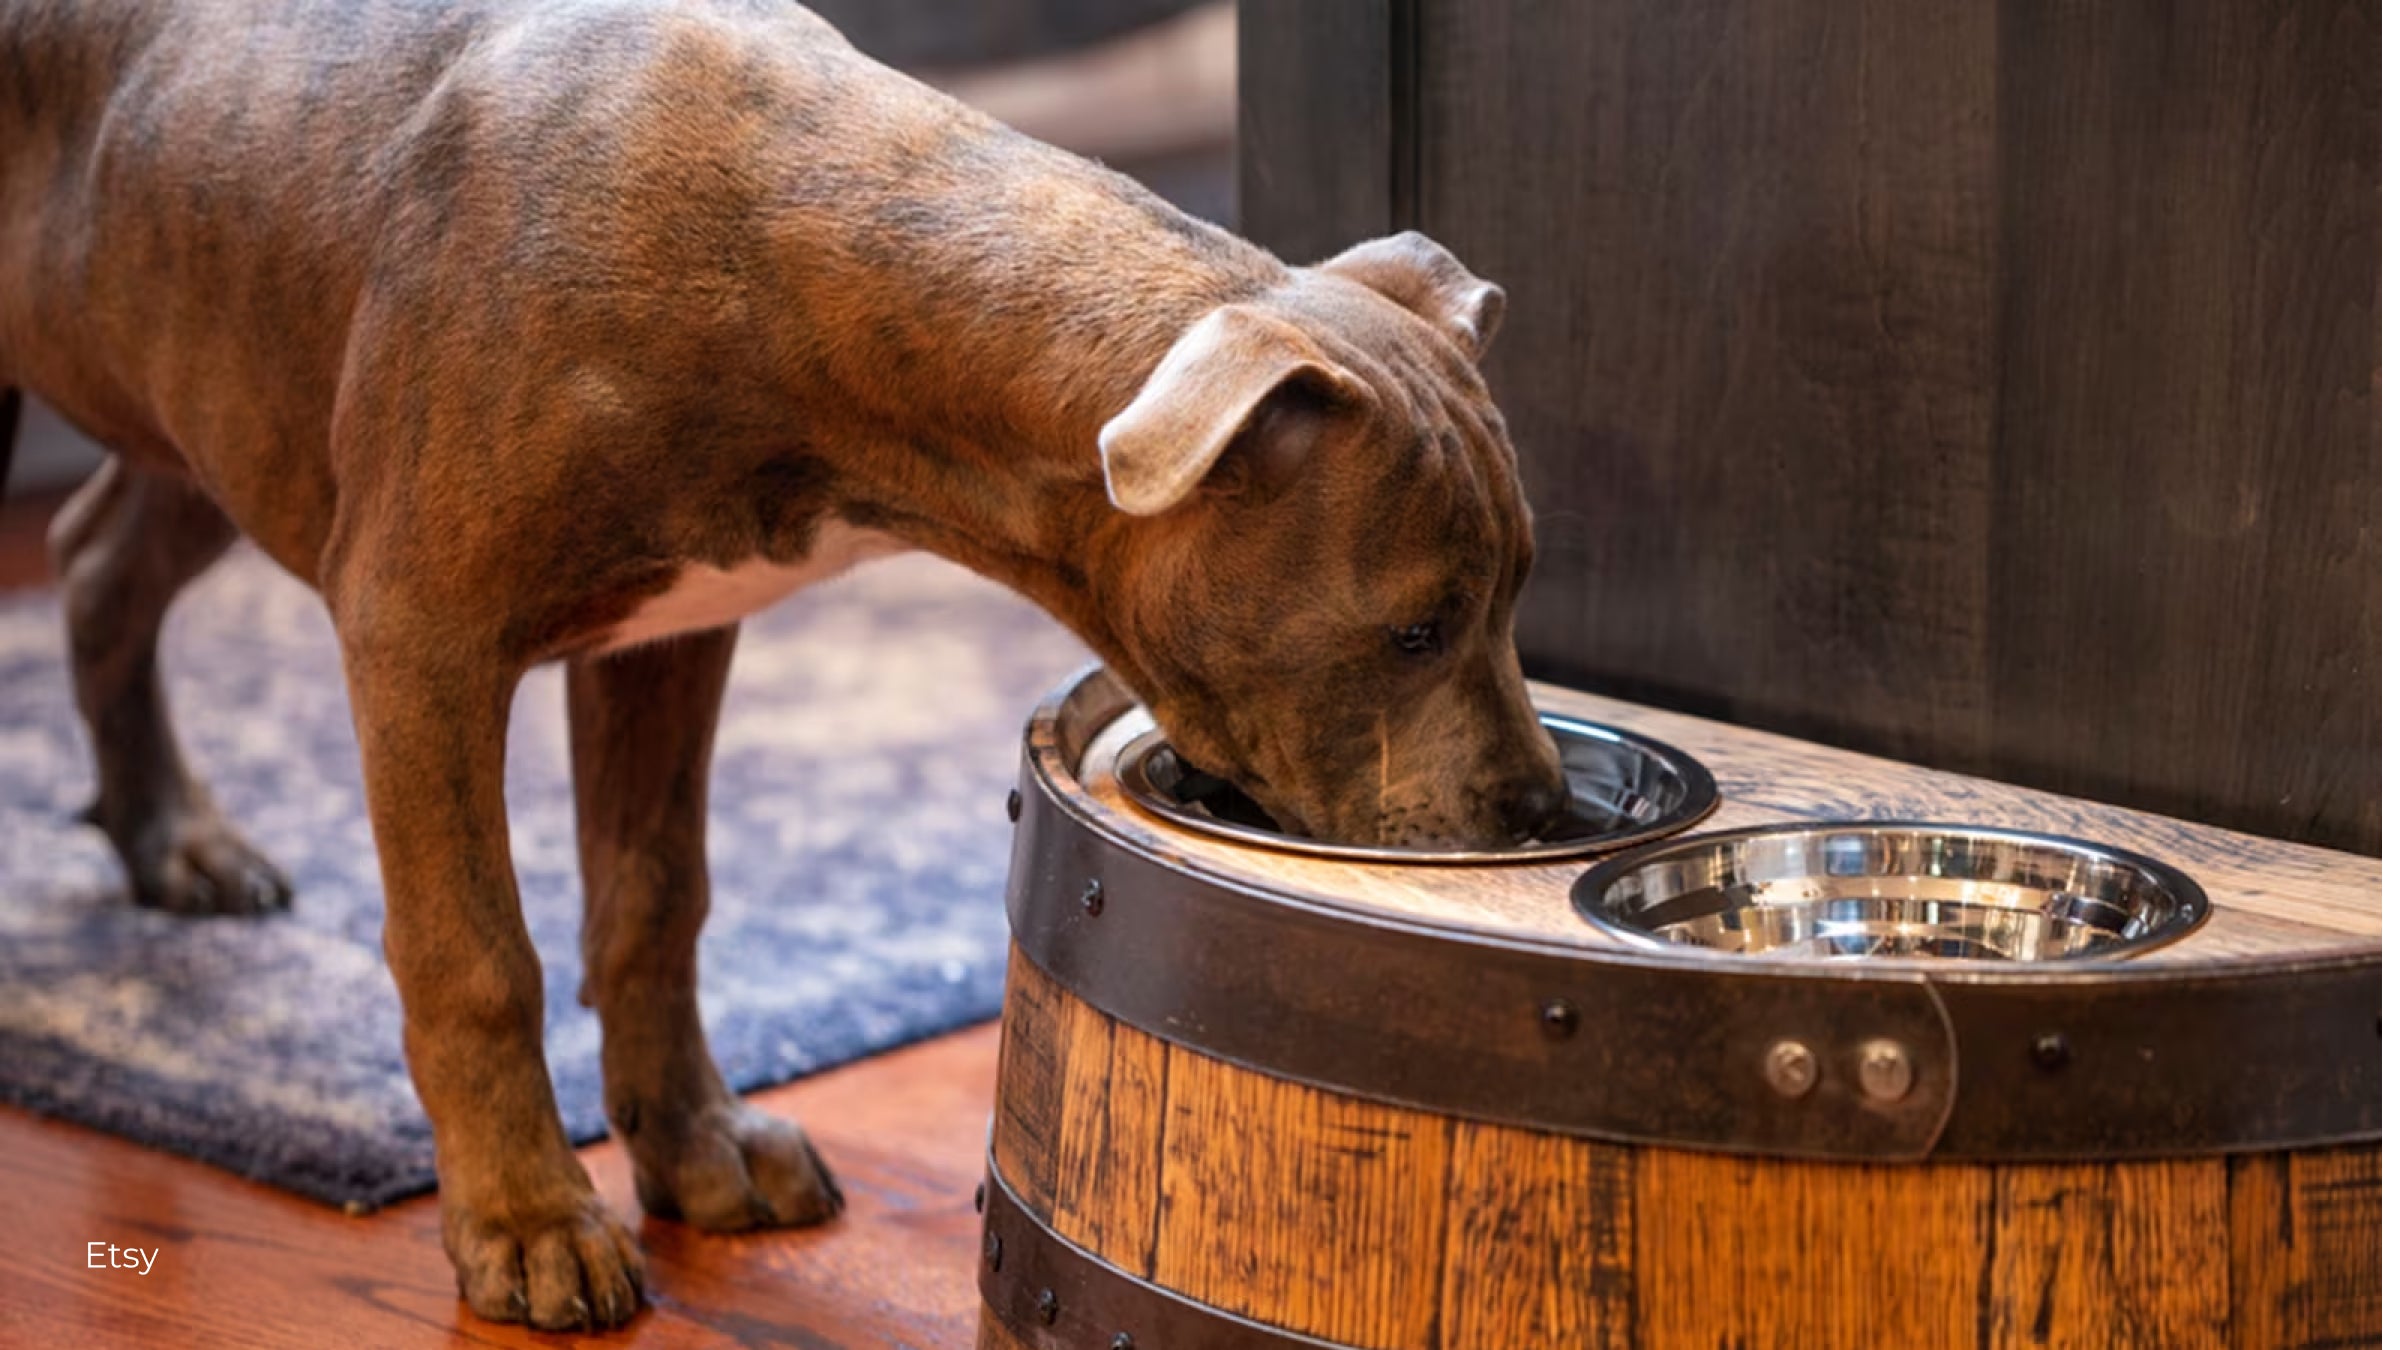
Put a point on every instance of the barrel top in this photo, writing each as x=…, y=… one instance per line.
x=2271, y=900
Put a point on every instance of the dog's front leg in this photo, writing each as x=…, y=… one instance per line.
x=529, y=1237
x=642, y=724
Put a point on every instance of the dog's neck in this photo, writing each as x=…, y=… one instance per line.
x=1002, y=475
x=1015, y=330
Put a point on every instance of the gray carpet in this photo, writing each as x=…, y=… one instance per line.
x=859, y=845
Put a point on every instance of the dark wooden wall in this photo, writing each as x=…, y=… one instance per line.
x=1991, y=385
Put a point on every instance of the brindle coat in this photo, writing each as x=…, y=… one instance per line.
x=526, y=331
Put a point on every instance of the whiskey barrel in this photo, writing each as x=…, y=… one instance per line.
x=1252, y=1099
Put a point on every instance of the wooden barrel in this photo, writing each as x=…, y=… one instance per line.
x=1251, y=1100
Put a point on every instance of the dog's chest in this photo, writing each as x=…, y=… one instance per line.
x=704, y=597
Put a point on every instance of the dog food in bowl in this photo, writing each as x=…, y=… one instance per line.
x=1623, y=789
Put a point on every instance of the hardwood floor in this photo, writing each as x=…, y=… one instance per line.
x=243, y=1265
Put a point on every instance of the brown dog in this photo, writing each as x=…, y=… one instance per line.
x=533, y=332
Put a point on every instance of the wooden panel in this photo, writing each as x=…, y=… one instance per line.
x=1991, y=386
x=1112, y=1116
x=1736, y=1252
x=2307, y=1267
x=1318, y=1213
x=1540, y=1244
x=2186, y=614
x=1307, y=190
x=2130, y=1255
x=1373, y=1226
x=1748, y=358
x=1026, y=1117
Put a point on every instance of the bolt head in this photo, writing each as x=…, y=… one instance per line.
x=1047, y=1306
x=1123, y=1340
x=991, y=1250
x=1885, y=1072
x=2050, y=1051
x=979, y=1197
x=1560, y=1019
x=1094, y=898
x=1016, y=805
x=1791, y=1068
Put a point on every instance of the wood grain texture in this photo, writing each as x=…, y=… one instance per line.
x=1365, y=1224
x=2309, y=1272
x=1371, y=1225
x=1313, y=1212
x=2068, y=1242
x=1741, y=1251
x=1748, y=383
x=1028, y=1113
x=1302, y=193
x=2187, y=457
x=245, y=1266
x=1113, y=1121
x=2271, y=898
x=1989, y=385
x=1540, y=1243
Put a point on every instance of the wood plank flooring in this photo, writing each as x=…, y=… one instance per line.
x=244, y=1265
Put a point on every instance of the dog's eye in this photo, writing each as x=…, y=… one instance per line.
x=1419, y=639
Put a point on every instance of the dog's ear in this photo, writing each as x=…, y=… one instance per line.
x=1422, y=276
x=1239, y=392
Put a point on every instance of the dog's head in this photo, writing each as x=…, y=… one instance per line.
x=1319, y=599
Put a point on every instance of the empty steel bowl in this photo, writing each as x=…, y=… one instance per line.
x=1623, y=789
x=1888, y=889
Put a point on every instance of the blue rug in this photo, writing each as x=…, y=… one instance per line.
x=857, y=835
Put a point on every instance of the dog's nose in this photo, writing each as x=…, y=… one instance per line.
x=1532, y=806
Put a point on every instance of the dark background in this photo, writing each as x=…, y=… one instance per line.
x=915, y=34
x=1987, y=385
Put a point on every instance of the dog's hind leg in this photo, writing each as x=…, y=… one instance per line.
x=642, y=724
x=124, y=545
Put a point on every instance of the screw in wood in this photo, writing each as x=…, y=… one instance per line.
x=1093, y=897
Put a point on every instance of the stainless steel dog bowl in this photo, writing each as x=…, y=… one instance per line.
x=1885, y=889
x=1624, y=789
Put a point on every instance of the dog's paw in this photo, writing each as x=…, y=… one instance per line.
x=575, y=1271
x=196, y=864
x=734, y=1168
